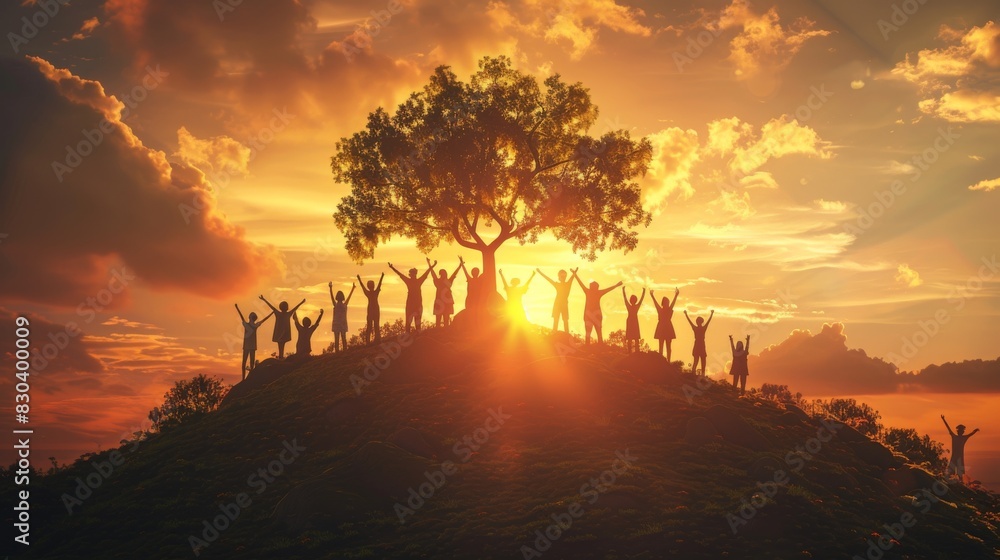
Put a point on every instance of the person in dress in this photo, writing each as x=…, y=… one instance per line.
x=956, y=466
x=632, y=305
x=414, y=293
x=560, y=307
x=740, y=370
x=340, y=304
x=699, y=352
x=593, y=317
x=372, y=319
x=282, y=324
x=303, y=344
x=444, y=300
x=665, y=333
x=515, y=295
x=250, y=325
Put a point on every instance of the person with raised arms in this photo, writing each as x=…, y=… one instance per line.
x=282, y=323
x=593, y=317
x=372, y=319
x=250, y=325
x=665, y=333
x=560, y=307
x=414, y=293
x=340, y=304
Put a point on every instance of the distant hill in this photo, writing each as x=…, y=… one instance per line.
x=524, y=445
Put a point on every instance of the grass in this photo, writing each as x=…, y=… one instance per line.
x=571, y=408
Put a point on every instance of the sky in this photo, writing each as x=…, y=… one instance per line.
x=824, y=177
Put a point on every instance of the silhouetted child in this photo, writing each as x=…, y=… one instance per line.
x=474, y=290
x=632, y=306
x=282, y=324
x=699, y=352
x=340, y=316
x=739, y=369
x=444, y=300
x=560, y=307
x=956, y=466
x=665, y=333
x=414, y=293
x=303, y=344
x=515, y=295
x=250, y=339
x=371, y=322
x=593, y=317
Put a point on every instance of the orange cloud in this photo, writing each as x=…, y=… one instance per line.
x=960, y=77
x=763, y=48
x=90, y=200
x=907, y=276
x=986, y=185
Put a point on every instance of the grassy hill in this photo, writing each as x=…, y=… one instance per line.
x=507, y=433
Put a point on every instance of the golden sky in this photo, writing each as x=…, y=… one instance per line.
x=824, y=176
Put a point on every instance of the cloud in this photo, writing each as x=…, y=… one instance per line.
x=822, y=364
x=118, y=204
x=749, y=151
x=88, y=27
x=573, y=22
x=958, y=79
x=675, y=152
x=763, y=48
x=986, y=185
x=969, y=376
x=217, y=154
x=908, y=277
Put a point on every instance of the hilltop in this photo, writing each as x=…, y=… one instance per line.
x=508, y=433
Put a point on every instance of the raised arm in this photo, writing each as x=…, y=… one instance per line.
x=624, y=297
x=318, y=319
x=299, y=304
x=461, y=265
x=709, y=321
x=620, y=283
x=401, y=275
x=580, y=282
x=295, y=318
x=430, y=268
x=973, y=432
x=242, y=318
x=677, y=292
x=652, y=296
x=348, y=300
x=946, y=425
x=268, y=316
x=530, y=278
x=380, y=279
x=332, y=301
x=731, y=345
x=364, y=290
x=642, y=297
x=747, y=345
x=503, y=279
x=273, y=309
x=454, y=274
x=688, y=318
x=550, y=281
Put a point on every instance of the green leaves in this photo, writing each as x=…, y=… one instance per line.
x=500, y=157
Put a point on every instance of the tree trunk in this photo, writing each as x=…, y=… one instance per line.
x=492, y=301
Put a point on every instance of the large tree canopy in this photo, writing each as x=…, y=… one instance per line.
x=500, y=157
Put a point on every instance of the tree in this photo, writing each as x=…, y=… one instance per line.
x=779, y=393
x=617, y=338
x=480, y=163
x=189, y=399
x=920, y=450
x=860, y=416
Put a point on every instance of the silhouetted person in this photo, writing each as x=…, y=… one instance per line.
x=474, y=290
x=340, y=304
x=303, y=344
x=699, y=352
x=371, y=322
x=665, y=333
x=444, y=300
x=414, y=293
x=739, y=369
x=632, y=305
x=515, y=295
x=956, y=466
x=250, y=339
x=593, y=317
x=560, y=307
x=282, y=324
